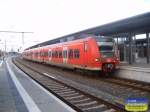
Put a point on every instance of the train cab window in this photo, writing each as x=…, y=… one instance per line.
x=76, y=53
x=70, y=54
x=104, y=39
x=60, y=54
x=65, y=54
x=106, y=46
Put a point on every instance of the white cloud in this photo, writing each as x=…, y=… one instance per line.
x=49, y=19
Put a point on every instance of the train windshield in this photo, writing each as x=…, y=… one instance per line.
x=106, y=46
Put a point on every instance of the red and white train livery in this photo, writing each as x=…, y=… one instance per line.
x=95, y=53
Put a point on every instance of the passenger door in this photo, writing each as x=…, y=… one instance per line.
x=65, y=55
x=49, y=55
x=85, y=54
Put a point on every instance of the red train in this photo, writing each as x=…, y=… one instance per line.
x=94, y=53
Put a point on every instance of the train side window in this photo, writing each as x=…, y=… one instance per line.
x=56, y=54
x=46, y=53
x=70, y=54
x=76, y=53
x=36, y=54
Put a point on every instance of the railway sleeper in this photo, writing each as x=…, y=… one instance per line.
x=86, y=103
x=74, y=97
x=68, y=95
x=100, y=107
x=110, y=110
x=60, y=89
x=68, y=92
x=65, y=90
x=80, y=100
x=53, y=84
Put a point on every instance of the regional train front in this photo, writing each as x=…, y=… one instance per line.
x=108, y=53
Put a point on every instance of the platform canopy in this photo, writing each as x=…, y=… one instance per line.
x=138, y=24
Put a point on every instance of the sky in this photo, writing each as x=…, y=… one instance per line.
x=49, y=19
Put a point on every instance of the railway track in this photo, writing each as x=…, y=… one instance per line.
x=143, y=86
x=135, y=85
x=79, y=100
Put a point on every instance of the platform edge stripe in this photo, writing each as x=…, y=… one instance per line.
x=50, y=94
x=1, y=63
x=30, y=104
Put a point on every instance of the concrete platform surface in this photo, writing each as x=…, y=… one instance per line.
x=10, y=99
x=138, y=71
x=19, y=93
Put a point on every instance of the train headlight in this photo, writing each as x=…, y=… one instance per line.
x=97, y=59
x=117, y=59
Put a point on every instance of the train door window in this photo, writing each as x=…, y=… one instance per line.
x=60, y=54
x=85, y=46
x=75, y=53
x=40, y=54
x=49, y=54
x=43, y=53
x=70, y=53
x=65, y=53
x=53, y=54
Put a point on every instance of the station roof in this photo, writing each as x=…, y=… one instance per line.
x=138, y=24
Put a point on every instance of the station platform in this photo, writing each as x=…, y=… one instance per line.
x=136, y=66
x=136, y=71
x=19, y=93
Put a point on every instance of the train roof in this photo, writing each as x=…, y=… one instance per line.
x=137, y=25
